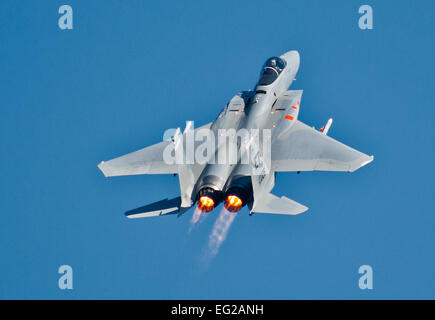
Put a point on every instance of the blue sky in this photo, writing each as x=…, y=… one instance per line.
x=130, y=70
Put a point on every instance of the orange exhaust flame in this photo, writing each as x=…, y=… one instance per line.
x=205, y=204
x=233, y=203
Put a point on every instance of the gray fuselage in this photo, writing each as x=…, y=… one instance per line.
x=218, y=177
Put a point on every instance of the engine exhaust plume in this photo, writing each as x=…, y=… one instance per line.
x=220, y=230
x=233, y=203
x=197, y=217
x=205, y=204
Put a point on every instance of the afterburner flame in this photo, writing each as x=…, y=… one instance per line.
x=205, y=204
x=233, y=203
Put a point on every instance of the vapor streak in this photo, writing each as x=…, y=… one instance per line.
x=197, y=217
x=220, y=230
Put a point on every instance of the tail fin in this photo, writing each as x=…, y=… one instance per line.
x=263, y=181
x=266, y=202
x=185, y=173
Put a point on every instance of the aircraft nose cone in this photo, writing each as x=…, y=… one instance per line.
x=292, y=58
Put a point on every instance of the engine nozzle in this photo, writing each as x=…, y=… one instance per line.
x=236, y=197
x=233, y=203
x=205, y=204
x=208, y=198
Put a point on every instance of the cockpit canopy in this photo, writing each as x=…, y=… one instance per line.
x=271, y=70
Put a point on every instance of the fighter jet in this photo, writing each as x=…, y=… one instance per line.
x=279, y=143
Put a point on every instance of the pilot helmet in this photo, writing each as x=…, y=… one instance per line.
x=273, y=63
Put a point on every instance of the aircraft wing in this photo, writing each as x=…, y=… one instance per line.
x=305, y=149
x=145, y=161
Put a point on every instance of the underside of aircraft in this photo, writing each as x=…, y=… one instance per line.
x=262, y=127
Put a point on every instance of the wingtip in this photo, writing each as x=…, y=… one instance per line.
x=356, y=164
x=304, y=209
x=301, y=208
x=133, y=216
x=101, y=167
x=370, y=159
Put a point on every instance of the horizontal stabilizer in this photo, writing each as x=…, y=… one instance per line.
x=159, y=208
x=270, y=203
